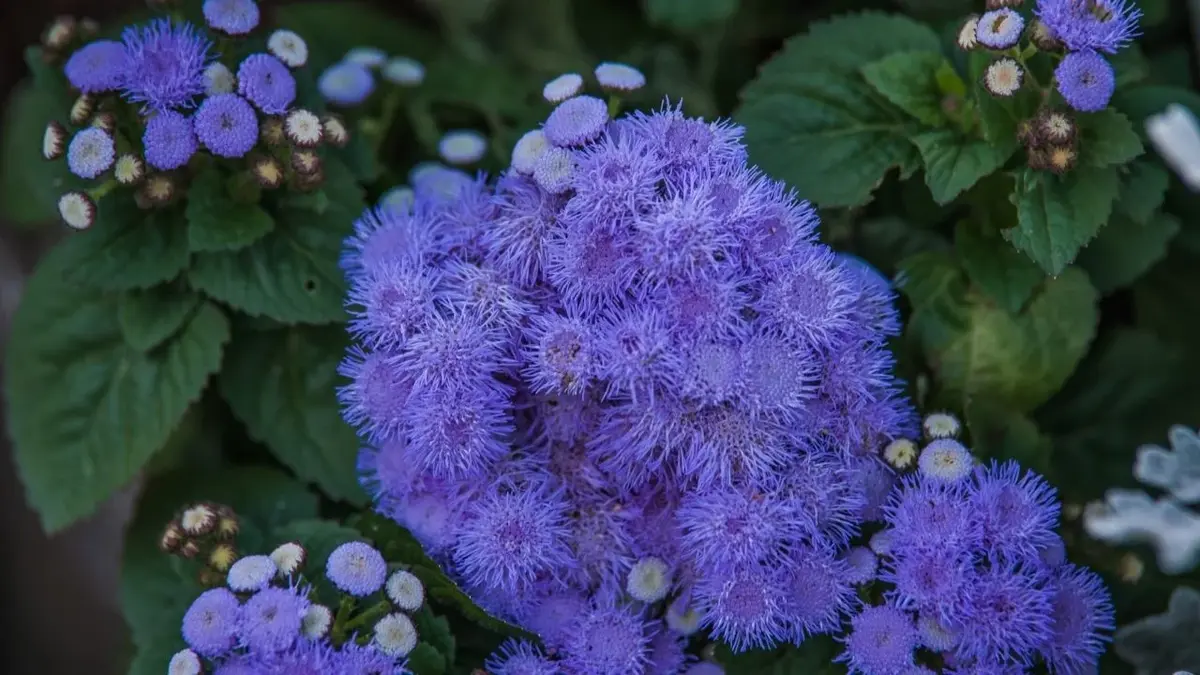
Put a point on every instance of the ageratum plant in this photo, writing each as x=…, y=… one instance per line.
x=655, y=338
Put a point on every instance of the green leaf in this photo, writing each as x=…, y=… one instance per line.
x=436, y=652
x=332, y=27
x=126, y=248
x=291, y=274
x=1057, y=216
x=998, y=117
x=1138, y=103
x=954, y=163
x=397, y=544
x=29, y=185
x=282, y=384
x=1000, y=433
x=1019, y=360
x=1000, y=271
x=424, y=659
x=319, y=539
x=216, y=222
x=1126, y=249
x=1106, y=138
x=86, y=410
x=1165, y=299
x=1143, y=190
x=150, y=317
x=814, y=122
x=909, y=81
x=688, y=15
x=813, y=657
x=155, y=589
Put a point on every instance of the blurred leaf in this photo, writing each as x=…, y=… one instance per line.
x=29, y=185
x=689, y=15
x=1143, y=189
x=282, y=385
x=813, y=121
x=813, y=657
x=333, y=27
x=1106, y=138
x=1138, y=103
x=1165, y=299
x=1000, y=433
x=1003, y=273
x=1125, y=250
x=87, y=411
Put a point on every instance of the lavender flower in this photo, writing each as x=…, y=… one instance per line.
x=226, y=125
x=98, y=67
x=607, y=640
x=210, y=624
x=166, y=62
x=356, y=568
x=91, y=153
x=235, y=17
x=462, y=147
x=517, y=657
x=267, y=83
x=576, y=121
x=881, y=640
x=271, y=619
x=1102, y=25
x=1000, y=28
x=346, y=84
x=619, y=77
x=169, y=140
x=1085, y=80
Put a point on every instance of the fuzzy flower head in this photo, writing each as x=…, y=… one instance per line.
x=129, y=169
x=169, y=140
x=395, y=635
x=1003, y=77
x=227, y=125
x=576, y=121
x=405, y=590
x=288, y=47
x=98, y=67
x=619, y=77
x=941, y=425
x=210, y=625
x=1000, y=28
x=77, y=210
x=649, y=580
x=267, y=83
x=219, y=79
x=901, y=453
x=356, y=568
x=1086, y=81
x=528, y=150
x=252, y=573
x=881, y=640
x=346, y=84
x=316, y=622
x=403, y=71
x=945, y=459
x=367, y=57
x=272, y=618
x=1082, y=615
x=54, y=141
x=289, y=558
x=517, y=657
x=303, y=128
x=91, y=153
x=607, y=640
x=233, y=17
x=562, y=87
x=462, y=147
x=1081, y=25
x=185, y=662
x=166, y=63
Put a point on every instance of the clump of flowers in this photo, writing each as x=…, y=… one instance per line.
x=624, y=383
x=1166, y=523
x=266, y=617
x=1076, y=34
x=976, y=576
x=159, y=104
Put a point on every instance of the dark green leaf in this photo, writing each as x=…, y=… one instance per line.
x=319, y=538
x=1141, y=102
x=909, y=81
x=29, y=185
x=155, y=589
x=1165, y=299
x=978, y=349
x=86, y=410
x=688, y=15
x=435, y=634
x=1003, y=273
x=149, y=317
x=1130, y=66
x=954, y=163
x=216, y=222
x=333, y=27
x=813, y=121
x=282, y=384
x=397, y=544
x=1125, y=250
x=1057, y=216
x=126, y=247
x=292, y=274
x=998, y=117
x=885, y=241
x=1143, y=189
x=813, y=657
x=426, y=660
x=1108, y=138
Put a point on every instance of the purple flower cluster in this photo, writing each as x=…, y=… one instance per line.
x=1084, y=78
x=269, y=629
x=978, y=575
x=626, y=370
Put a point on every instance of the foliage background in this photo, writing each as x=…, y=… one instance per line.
x=1138, y=377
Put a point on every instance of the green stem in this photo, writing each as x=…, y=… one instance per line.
x=614, y=106
x=338, y=634
x=387, y=116
x=367, y=617
x=97, y=193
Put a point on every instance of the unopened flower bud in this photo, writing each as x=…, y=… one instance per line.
x=198, y=520
x=306, y=162
x=1055, y=127
x=334, y=131
x=54, y=141
x=289, y=558
x=272, y=132
x=158, y=189
x=227, y=523
x=129, y=169
x=189, y=549
x=1003, y=77
x=303, y=128
x=267, y=170
x=171, y=539
x=82, y=109
x=222, y=557
x=106, y=122
x=967, y=39
x=1061, y=158
x=1043, y=38
x=60, y=33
